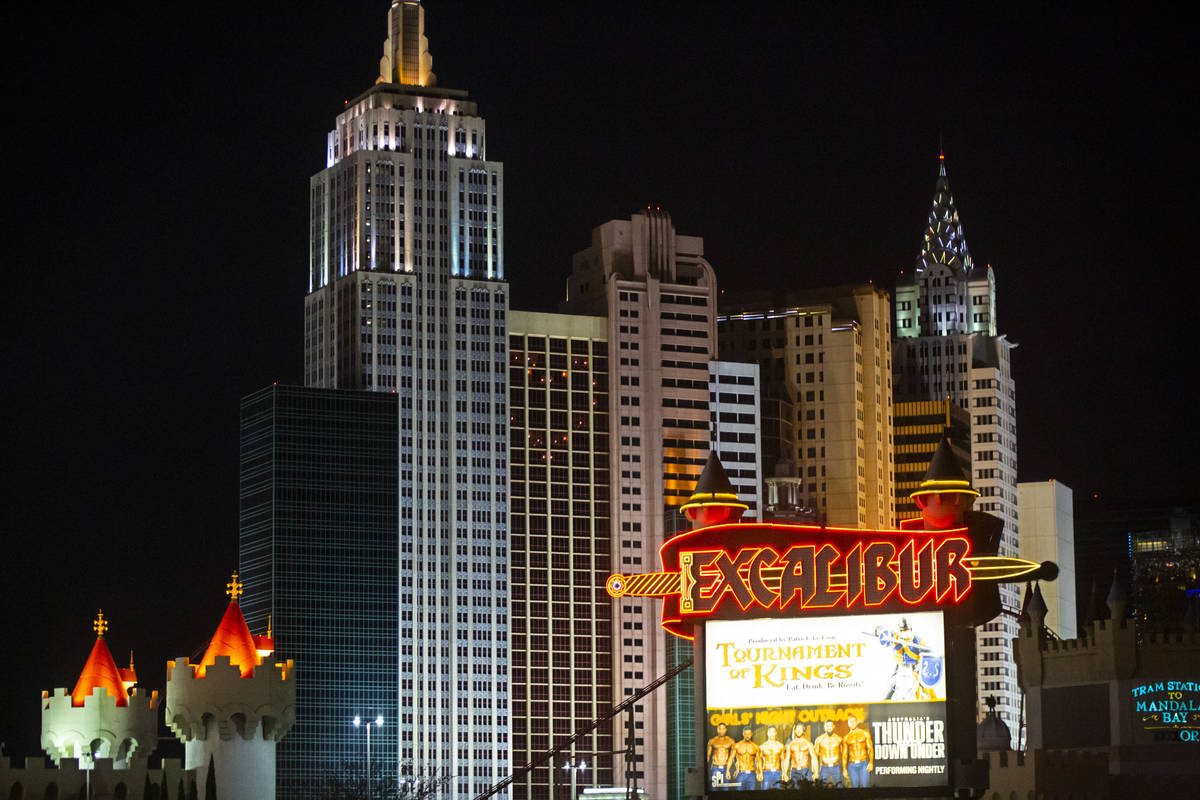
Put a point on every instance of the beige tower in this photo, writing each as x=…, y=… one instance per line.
x=658, y=293
x=406, y=58
x=825, y=356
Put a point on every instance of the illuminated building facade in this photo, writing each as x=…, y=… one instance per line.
x=658, y=295
x=559, y=545
x=1048, y=534
x=1165, y=570
x=406, y=293
x=947, y=345
x=920, y=426
x=826, y=353
x=734, y=403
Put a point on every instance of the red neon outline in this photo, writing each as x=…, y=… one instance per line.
x=760, y=562
x=959, y=592
x=750, y=578
x=886, y=564
x=698, y=587
x=828, y=579
x=860, y=575
x=912, y=545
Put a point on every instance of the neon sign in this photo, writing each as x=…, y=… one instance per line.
x=807, y=576
x=740, y=571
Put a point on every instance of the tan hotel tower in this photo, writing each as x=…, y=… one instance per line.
x=658, y=293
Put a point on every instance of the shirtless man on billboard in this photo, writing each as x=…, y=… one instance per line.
x=800, y=757
x=718, y=756
x=829, y=756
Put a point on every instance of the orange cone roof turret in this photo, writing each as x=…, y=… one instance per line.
x=100, y=670
x=232, y=638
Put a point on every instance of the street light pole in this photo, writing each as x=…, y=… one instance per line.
x=579, y=766
x=378, y=723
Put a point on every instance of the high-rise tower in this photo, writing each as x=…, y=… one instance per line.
x=405, y=230
x=947, y=346
x=406, y=294
x=658, y=292
x=826, y=354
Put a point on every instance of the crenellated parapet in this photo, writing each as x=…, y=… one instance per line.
x=1107, y=650
x=1051, y=774
x=102, y=727
x=34, y=778
x=224, y=702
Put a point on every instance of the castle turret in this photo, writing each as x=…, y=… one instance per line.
x=231, y=708
x=713, y=502
x=104, y=716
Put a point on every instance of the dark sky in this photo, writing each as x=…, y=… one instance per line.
x=158, y=165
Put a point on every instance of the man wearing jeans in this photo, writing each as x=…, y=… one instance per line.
x=719, y=748
x=858, y=754
x=771, y=756
x=829, y=756
x=745, y=756
x=799, y=758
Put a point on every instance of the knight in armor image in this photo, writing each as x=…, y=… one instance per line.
x=771, y=756
x=719, y=748
x=829, y=756
x=745, y=756
x=917, y=669
x=799, y=757
x=858, y=754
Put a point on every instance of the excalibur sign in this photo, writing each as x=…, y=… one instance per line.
x=844, y=656
x=743, y=570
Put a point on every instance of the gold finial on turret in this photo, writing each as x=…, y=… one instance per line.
x=101, y=624
x=269, y=636
x=234, y=588
x=131, y=659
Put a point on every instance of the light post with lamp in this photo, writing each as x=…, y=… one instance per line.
x=577, y=767
x=379, y=724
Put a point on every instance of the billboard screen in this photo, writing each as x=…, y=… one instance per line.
x=846, y=701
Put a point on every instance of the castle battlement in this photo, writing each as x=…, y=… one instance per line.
x=36, y=778
x=1107, y=650
x=233, y=703
x=136, y=699
x=126, y=732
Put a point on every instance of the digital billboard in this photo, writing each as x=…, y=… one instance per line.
x=849, y=701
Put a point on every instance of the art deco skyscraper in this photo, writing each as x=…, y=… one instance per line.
x=406, y=294
x=947, y=346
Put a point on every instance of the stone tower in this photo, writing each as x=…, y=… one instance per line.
x=231, y=708
x=103, y=716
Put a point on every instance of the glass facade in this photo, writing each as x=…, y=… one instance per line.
x=318, y=556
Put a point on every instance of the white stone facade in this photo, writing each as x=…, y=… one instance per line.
x=233, y=720
x=1048, y=534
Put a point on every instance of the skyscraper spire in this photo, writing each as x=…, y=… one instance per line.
x=406, y=58
x=944, y=240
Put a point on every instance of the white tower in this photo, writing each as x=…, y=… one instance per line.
x=406, y=294
x=231, y=709
x=101, y=717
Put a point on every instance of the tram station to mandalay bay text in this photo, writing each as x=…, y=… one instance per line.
x=835, y=656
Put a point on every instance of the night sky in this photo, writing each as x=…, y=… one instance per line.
x=158, y=168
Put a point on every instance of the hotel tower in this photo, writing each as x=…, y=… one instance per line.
x=406, y=295
x=947, y=347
